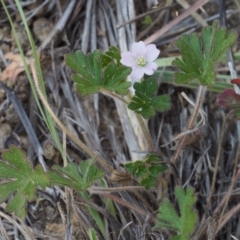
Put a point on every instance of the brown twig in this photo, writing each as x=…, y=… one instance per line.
x=236, y=175
x=176, y=20
x=60, y=24
x=228, y=216
x=129, y=205
x=84, y=147
x=202, y=90
x=217, y=161
x=145, y=14
x=195, y=15
x=99, y=190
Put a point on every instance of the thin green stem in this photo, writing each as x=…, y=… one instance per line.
x=46, y=117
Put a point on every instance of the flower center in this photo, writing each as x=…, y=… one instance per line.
x=141, y=61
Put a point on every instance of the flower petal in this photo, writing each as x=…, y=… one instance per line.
x=139, y=49
x=152, y=52
x=150, y=68
x=128, y=59
x=137, y=73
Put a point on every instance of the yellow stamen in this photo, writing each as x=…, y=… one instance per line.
x=141, y=61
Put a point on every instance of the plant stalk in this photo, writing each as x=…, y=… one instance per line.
x=139, y=119
x=201, y=93
x=144, y=128
x=84, y=147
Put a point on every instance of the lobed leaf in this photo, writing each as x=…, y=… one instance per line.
x=19, y=179
x=200, y=53
x=148, y=170
x=144, y=103
x=78, y=177
x=229, y=99
x=96, y=71
x=184, y=223
x=112, y=55
x=148, y=181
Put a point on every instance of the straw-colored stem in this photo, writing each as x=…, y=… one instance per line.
x=145, y=131
x=87, y=150
x=99, y=190
x=139, y=119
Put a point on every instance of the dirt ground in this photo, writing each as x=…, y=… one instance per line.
x=60, y=27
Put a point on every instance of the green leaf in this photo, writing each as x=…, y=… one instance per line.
x=90, y=172
x=148, y=181
x=144, y=103
x=179, y=237
x=19, y=178
x=148, y=170
x=95, y=72
x=131, y=167
x=200, y=53
x=77, y=177
x=237, y=114
x=137, y=167
x=147, y=20
x=113, y=55
x=184, y=223
x=156, y=169
x=114, y=79
x=92, y=234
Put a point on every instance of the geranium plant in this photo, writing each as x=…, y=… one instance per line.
x=108, y=73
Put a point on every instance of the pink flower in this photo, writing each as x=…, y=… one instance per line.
x=140, y=59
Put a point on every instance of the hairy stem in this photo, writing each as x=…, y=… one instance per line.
x=114, y=95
